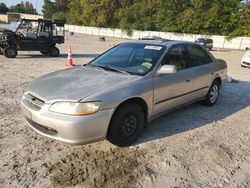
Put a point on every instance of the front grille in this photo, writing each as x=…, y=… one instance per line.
x=41, y=128
x=33, y=101
x=246, y=63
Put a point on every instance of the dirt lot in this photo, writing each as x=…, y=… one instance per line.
x=196, y=146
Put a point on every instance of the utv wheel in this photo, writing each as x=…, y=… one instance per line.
x=10, y=52
x=54, y=52
x=213, y=94
x=126, y=125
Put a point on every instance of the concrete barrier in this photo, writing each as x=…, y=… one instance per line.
x=219, y=41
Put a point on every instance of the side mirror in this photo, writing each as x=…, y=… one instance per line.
x=247, y=48
x=167, y=69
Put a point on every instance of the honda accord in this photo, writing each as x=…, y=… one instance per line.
x=116, y=94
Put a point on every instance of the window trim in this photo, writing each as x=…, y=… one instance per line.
x=169, y=49
x=186, y=45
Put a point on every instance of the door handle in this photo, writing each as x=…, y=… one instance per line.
x=187, y=81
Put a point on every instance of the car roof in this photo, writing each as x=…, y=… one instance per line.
x=163, y=42
x=204, y=39
x=59, y=23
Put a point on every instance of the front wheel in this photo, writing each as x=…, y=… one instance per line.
x=126, y=125
x=10, y=52
x=54, y=52
x=213, y=94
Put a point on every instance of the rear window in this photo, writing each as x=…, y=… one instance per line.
x=201, y=40
x=197, y=56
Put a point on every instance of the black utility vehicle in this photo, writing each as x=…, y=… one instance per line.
x=206, y=43
x=32, y=35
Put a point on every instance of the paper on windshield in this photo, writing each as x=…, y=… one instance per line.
x=150, y=47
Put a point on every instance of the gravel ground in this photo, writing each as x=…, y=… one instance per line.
x=196, y=146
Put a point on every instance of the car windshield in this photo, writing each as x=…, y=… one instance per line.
x=13, y=25
x=136, y=59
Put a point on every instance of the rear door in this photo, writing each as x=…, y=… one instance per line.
x=40, y=43
x=202, y=67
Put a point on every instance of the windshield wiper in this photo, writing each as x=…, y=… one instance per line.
x=108, y=67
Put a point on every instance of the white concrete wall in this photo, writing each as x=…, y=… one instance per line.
x=219, y=41
x=3, y=18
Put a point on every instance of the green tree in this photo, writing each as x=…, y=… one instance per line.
x=49, y=8
x=23, y=8
x=140, y=15
x=3, y=8
x=59, y=16
x=75, y=13
x=224, y=17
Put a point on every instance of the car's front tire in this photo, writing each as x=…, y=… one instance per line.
x=126, y=125
x=10, y=52
x=54, y=52
x=212, y=94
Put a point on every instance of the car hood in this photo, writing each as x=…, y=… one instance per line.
x=247, y=53
x=6, y=31
x=75, y=84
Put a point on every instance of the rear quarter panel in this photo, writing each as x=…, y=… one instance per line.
x=221, y=72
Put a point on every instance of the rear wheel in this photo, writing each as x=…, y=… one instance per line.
x=10, y=52
x=213, y=94
x=54, y=52
x=126, y=125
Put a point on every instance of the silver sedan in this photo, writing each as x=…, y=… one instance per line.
x=116, y=94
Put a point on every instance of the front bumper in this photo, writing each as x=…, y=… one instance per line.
x=66, y=128
x=245, y=62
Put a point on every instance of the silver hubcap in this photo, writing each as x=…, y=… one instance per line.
x=214, y=94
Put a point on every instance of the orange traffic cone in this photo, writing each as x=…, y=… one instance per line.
x=70, y=60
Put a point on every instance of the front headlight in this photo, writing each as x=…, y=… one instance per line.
x=77, y=109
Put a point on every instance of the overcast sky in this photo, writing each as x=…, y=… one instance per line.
x=36, y=3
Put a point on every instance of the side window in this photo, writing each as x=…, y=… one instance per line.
x=197, y=56
x=210, y=40
x=176, y=56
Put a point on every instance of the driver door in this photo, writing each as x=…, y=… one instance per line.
x=25, y=43
x=172, y=90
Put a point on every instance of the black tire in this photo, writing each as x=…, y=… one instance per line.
x=212, y=94
x=10, y=52
x=44, y=52
x=54, y=52
x=126, y=125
